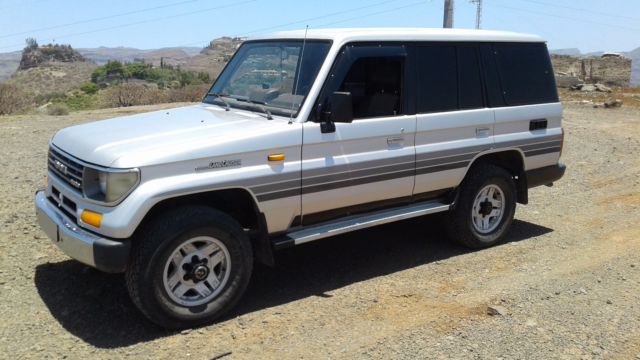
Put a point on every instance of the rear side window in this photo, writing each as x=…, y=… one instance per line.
x=469, y=80
x=437, y=78
x=525, y=72
x=449, y=78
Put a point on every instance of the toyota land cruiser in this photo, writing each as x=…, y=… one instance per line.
x=305, y=135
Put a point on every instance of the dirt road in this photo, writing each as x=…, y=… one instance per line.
x=567, y=281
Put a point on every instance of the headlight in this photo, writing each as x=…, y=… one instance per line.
x=109, y=186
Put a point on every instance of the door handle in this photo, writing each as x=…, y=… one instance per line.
x=483, y=132
x=537, y=124
x=394, y=140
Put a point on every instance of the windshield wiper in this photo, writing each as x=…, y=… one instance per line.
x=219, y=96
x=261, y=105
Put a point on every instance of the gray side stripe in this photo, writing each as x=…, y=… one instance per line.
x=529, y=141
x=541, y=146
x=357, y=174
x=278, y=195
x=543, y=151
x=450, y=159
x=443, y=167
x=360, y=181
x=262, y=189
x=358, y=166
x=339, y=176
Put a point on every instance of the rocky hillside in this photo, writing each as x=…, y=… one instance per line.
x=213, y=58
x=35, y=55
x=170, y=56
x=635, y=66
x=53, y=77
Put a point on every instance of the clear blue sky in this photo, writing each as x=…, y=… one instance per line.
x=611, y=25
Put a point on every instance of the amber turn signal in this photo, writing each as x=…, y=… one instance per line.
x=92, y=218
x=276, y=157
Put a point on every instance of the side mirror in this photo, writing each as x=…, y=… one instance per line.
x=341, y=107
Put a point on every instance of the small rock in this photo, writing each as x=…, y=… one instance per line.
x=185, y=332
x=588, y=87
x=609, y=302
x=602, y=88
x=613, y=103
x=496, y=310
x=582, y=291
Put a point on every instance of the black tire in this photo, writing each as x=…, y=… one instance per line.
x=165, y=235
x=459, y=224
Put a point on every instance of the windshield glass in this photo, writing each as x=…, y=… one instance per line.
x=269, y=74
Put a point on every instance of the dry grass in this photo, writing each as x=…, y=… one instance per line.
x=629, y=96
x=54, y=77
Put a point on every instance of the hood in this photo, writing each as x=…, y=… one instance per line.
x=162, y=136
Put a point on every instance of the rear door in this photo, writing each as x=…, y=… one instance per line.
x=369, y=162
x=454, y=123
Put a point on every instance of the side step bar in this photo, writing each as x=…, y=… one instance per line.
x=357, y=222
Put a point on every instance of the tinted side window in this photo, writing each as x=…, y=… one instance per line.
x=437, y=78
x=526, y=73
x=491, y=77
x=469, y=82
x=375, y=84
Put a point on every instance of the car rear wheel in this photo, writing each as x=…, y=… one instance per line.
x=484, y=210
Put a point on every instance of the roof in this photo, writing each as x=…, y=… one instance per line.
x=403, y=34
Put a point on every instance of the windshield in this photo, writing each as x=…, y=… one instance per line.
x=270, y=76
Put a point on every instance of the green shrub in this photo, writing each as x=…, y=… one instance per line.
x=115, y=72
x=89, y=88
x=57, y=109
x=79, y=101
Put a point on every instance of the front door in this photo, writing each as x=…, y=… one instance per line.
x=370, y=161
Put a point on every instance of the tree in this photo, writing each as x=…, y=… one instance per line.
x=31, y=43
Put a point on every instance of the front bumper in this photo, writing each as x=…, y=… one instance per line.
x=103, y=254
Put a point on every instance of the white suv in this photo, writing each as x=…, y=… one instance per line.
x=305, y=135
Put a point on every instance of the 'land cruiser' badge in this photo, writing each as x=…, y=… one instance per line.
x=220, y=164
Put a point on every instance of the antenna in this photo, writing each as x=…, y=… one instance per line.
x=478, y=12
x=295, y=87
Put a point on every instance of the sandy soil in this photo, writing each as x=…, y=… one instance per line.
x=568, y=279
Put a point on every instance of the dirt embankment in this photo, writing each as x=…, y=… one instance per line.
x=568, y=279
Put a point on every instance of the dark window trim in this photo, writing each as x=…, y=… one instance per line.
x=382, y=47
x=476, y=48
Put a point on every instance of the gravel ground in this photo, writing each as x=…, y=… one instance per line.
x=566, y=284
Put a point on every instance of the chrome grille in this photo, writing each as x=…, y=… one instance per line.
x=66, y=168
x=66, y=205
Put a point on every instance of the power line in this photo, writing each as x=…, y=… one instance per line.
x=581, y=9
x=99, y=18
x=565, y=17
x=144, y=21
x=318, y=17
x=374, y=13
x=315, y=18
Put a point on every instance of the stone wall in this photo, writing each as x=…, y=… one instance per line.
x=608, y=70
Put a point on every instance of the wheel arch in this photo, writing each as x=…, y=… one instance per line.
x=237, y=202
x=510, y=159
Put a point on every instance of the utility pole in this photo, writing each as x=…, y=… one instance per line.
x=478, y=12
x=448, y=14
